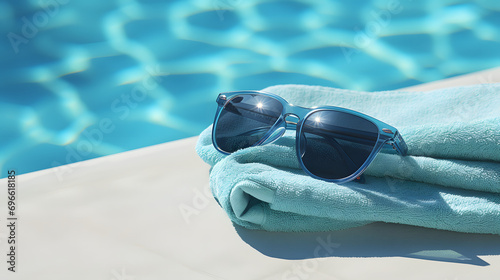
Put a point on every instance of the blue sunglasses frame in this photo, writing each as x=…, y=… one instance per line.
x=388, y=136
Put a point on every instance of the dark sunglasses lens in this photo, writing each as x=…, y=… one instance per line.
x=244, y=120
x=336, y=144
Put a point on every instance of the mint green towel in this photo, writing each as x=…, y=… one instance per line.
x=450, y=179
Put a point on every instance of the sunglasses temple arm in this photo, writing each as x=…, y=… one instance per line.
x=399, y=144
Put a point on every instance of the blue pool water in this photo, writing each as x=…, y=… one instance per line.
x=85, y=78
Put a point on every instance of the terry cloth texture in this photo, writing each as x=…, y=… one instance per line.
x=450, y=179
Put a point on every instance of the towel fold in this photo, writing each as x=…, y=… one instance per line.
x=450, y=179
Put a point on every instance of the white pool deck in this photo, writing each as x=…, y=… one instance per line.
x=120, y=217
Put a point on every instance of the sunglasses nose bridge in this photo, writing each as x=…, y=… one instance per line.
x=291, y=120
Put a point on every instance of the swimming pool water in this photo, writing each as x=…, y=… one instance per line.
x=87, y=78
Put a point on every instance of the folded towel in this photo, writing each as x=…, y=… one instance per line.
x=450, y=179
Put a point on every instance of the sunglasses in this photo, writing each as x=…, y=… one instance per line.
x=332, y=143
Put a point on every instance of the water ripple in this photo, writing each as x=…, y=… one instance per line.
x=86, y=78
